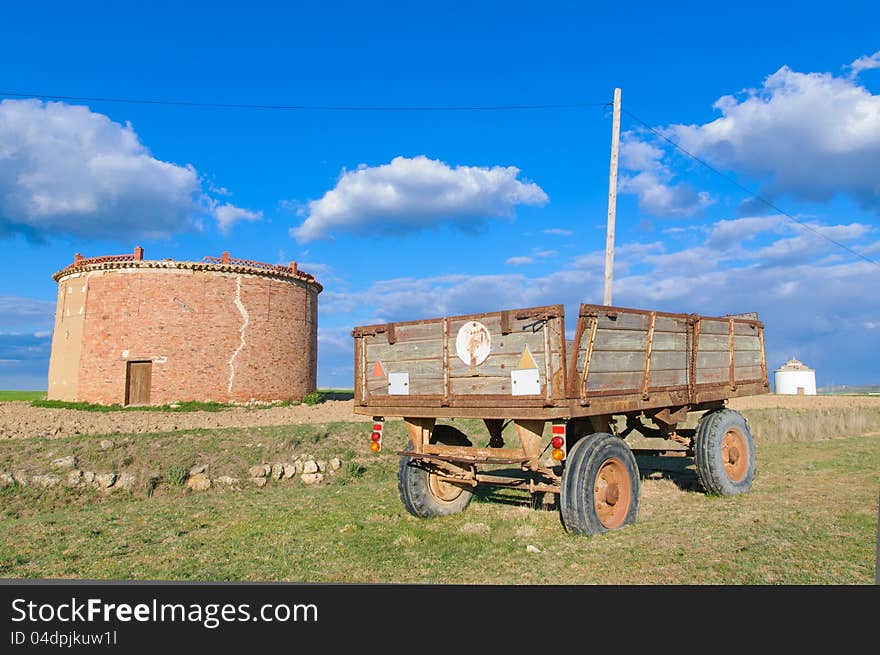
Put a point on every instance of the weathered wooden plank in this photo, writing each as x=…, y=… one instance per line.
x=666, y=378
x=623, y=340
x=494, y=366
x=747, y=343
x=623, y=321
x=509, y=344
x=669, y=360
x=712, y=359
x=749, y=373
x=426, y=368
x=709, y=326
x=417, y=387
x=610, y=361
x=745, y=329
x=714, y=342
x=613, y=381
x=710, y=375
x=404, y=351
x=669, y=324
x=482, y=386
x=747, y=358
x=414, y=332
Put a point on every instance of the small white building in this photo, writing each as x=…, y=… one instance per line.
x=795, y=378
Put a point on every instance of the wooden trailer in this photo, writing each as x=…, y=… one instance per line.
x=629, y=375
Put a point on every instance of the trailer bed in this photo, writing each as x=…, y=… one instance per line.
x=517, y=363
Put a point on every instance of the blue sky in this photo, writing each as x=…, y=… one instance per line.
x=406, y=215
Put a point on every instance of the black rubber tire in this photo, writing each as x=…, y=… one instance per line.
x=708, y=453
x=413, y=483
x=577, y=501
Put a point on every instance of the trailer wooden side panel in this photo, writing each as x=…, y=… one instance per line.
x=622, y=352
x=506, y=357
x=518, y=364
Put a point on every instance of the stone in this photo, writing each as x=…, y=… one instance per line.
x=198, y=482
x=74, y=478
x=126, y=481
x=46, y=480
x=532, y=549
x=88, y=477
x=258, y=471
x=260, y=482
x=297, y=467
x=201, y=468
x=104, y=480
x=335, y=464
x=289, y=470
x=6, y=480
x=106, y=444
x=310, y=467
x=20, y=478
x=226, y=480
x=312, y=478
x=67, y=462
x=322, y=465
x=277, y=471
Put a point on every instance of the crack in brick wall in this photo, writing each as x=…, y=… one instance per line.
x=244, y=323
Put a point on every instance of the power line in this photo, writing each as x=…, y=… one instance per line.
x=751, y=193
x=340, y=108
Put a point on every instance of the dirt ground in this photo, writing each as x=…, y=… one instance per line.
x=19, y=419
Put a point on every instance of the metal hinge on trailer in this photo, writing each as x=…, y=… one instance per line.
x=387, y=329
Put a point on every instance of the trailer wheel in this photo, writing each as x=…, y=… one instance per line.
x=724, y=453
x=600, y=485
x=423, y=494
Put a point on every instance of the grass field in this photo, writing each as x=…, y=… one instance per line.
x=811, y=518
x=6, y=396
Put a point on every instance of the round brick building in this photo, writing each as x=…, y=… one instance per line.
x=133, y=331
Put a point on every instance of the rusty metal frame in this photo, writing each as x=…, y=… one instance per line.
x=732, y=357
x=648, y=346
x=588, y=355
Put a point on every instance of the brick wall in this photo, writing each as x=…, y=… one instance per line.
x=188, y=323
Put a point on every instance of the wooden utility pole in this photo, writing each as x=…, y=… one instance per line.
x=612, y=199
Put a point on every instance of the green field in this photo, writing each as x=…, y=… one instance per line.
x=21, y=395
x=811, y=518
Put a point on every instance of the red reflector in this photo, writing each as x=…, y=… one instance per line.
x=559, y=429
x=375, y=436
x=557, y=442
x=377, y=427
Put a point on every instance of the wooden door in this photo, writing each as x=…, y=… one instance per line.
x=140, y=377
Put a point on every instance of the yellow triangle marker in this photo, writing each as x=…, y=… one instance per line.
x=526, y=360
x=378, y=371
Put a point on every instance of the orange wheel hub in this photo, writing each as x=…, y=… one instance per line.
x=612, y=493
x=735, y=455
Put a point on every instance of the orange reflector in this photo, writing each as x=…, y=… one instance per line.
x=558, y=428
x=374, y=446
x=558, y=454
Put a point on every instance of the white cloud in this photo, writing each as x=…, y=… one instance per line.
x=558, y=231
x=518, y=261
x=863, y=63
x=227, y=215
x=67, y=170
x=811, y=135
x=652, y=182
x=19, y=313
x=411, y=194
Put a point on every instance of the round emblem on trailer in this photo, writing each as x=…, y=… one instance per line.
x=473, y=343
